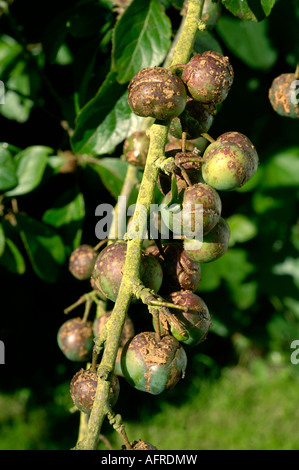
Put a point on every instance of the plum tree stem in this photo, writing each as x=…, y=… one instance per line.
x=131, y=277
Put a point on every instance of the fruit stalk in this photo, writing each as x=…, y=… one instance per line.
x=158, y=136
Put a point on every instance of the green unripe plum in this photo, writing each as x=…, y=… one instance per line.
x=201, y=193
x=195, y=319
x=230, y=162
x=213, y=246
x=151, y=365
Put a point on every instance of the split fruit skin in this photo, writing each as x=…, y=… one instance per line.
x=282, y=96
x=196, y=319
x=152, y=365
x=83, y=389
x=109, y=268
x=179, y=272
x=208, y=77
x=212, y=247
x=196, y=119
x=156, y=92
x=75, y=339
x=193, y=169
x=82, y=261
x=230, y=162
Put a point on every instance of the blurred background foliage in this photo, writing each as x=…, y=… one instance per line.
x=65, y=69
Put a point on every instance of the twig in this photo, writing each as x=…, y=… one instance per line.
x=158, y=137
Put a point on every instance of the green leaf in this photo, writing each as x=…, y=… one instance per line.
x=263, y=202
x=242, y=229
x=249, y=42
x=267, y=6
x=17, y=107
x=64, y=55
x=12, y=258
x=2, y=240
x=11, y=148
x=244, y=295
x=22, y=87
x=282, y=170
x=141, y=39
x=10, y=51
x=44, y=247
x=52, y=42
x=55, y=162
x=234, y=266
x=92, y=115
x=289, y=267
x=295, y=236
x=205, y=41
x=210, y=278
x=112, y=172
x=31, y=164
x=249, y=9
x=219, y=328
x=8, y=177
x=105, y=121
x=66, y=210
x=67, y=214
x=87, y=18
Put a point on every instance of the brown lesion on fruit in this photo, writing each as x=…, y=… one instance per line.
x=208, y=76
x=279, y=95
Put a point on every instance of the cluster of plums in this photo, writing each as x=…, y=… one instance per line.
x=149, y=362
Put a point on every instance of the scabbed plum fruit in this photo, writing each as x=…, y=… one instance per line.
x=230, y=162
x=109, y=267
x=151, y=365
x=82, y=261
x=179, y=272
x=196, y=319
x=135, y=149
x=198, y=209
x=282, y=96
x=75, y=339
x=83, y=389
x=208, y=77
x=213, y=246
x=156, y=92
